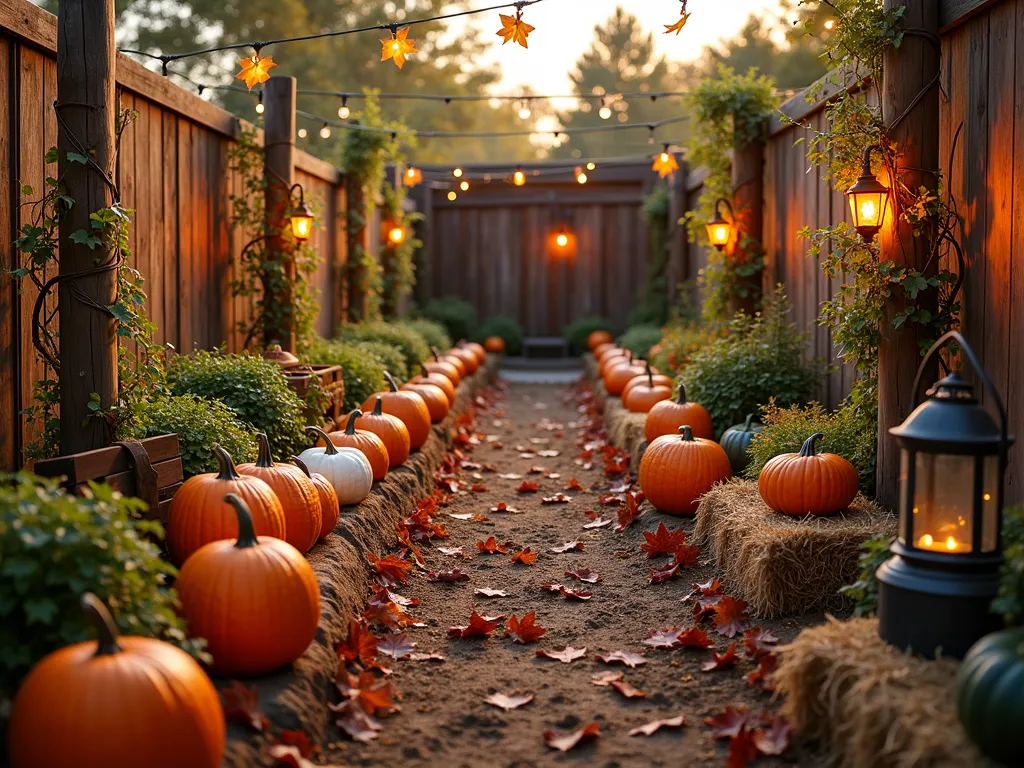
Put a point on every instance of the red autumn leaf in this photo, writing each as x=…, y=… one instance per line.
x=242, y=705
x=705, y=607
x=604, y=679
x=631, y=660
x=627, y=690
x=695, y=638
x=537, y=470
x=620, y=486
x=360, y=645
x=730, y=616
x=567, y=655
x=686, y=557
x=630, y=511
x=390, y=570
x=524, y=630
x=773, y=740
x=389, y=614
x=742, y=749
x=759, y=642
x=371, y=694
x=708, y=588
x=766, y=666
x=591, y=515
x=509, y=702
x=488, y=592
x=454, y=575
x=569, y=546
x=663, y=573
x=478, y=488
x=558, y=498
x=299, y=740
x=478, y=627
x=524, y=556
x=649, y=729
x=491, y=546
x=616, y=467
x=356, y=723
x=576, y=594
x=574, y=485
x=565, y=742
x=611, y=499
x=584, y=574
x=663, y=541
x=728, y=722
x=721, y=660
x=552, y=587
x=396, y=646
x=503, y=507
x=453, y=552
x=667, y=637
x=527, y=487
x=600, y=522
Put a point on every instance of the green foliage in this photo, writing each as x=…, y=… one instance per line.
x=640, y=338
x=1010, y=602
x=457, y=316
x=254, y=388
x=398, y=275
x=507, y=327
x=362, y=371
x=413, y=346
x=53, y=548
x=849, y=431
x=864, y=591
x=652, y=304
x=390, y=357
x=199, y=423
x=760, y=358
x=680, y=341
x=578, y=330
x=434, y=333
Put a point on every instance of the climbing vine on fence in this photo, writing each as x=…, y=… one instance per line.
x=727, y=110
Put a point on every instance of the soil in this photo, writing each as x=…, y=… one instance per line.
x=443, y=719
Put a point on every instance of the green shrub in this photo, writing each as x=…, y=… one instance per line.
x=457, y=316
x=679, y=342
x=640, y=338
x=433, y=332
x=760, y=358
x=199, y=423
x=850, y=431
x=254, y=388
x=53, y=548
x=411, y=343
x=864, y=591
x=389, y=356
x=362, y=372
x=507, y=328
x=577, y=331
x=1010, y=602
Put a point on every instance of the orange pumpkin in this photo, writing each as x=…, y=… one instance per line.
x=330, y=509
x=467, y=357
x=608, y=349
x=438, y=379
x=616, y=357
x=494, y=344
x=641, y=397
x=598, y=337
x=298, y=496
x=618, y=376
x=407, y=406
x=600, y=349
x=116, y=702
x=455, y=361
x=198, y=514
x=808, y=482
x=443, y=368
x=676, y=470
x=433, y=396
x=478, y=350
x=255, y=600
x=371, y=446
x=666, y=417
x=390, y=429
x=659, y=379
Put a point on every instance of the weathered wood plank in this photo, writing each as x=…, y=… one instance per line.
x=955, y=12
x=10, y=433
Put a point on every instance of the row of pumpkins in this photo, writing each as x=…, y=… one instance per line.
x=682, y=461
x=244, y=585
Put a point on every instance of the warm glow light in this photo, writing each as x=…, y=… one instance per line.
x=524, y=113
x=344, y=112
x=927, y=540
x=868, y=212
x=591, y=166
x=869, y=200
x=721, y=234
x=457, y=173
x=452, y=196
x=412, y=176
x=303, y=133
x=301, y=221
x=325, y=132
x=519, y=178
x=562, y=240
x=395, y=46
x=259, y=108
x=464, y=186
x=396, y=235
x=664, y=157
x=830, y=24
x=605, y=112
x=951, y=543
x=581, y=177
x=987, y=497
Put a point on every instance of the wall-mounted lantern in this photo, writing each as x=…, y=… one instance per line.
x=301, y=217
x=719, y=229
x=869, y=200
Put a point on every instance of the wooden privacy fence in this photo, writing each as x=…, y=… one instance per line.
x=173, y=171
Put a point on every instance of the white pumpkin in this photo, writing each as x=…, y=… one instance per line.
x=347, y=469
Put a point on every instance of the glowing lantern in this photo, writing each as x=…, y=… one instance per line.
x=562, y=242
x=519, y=178
x=412, y=177
x=869, y=200
x=720, y=230
x=301, y=217
x=396, y=234
x=665, y=163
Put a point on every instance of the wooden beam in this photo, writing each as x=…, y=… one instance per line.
x=279, y=175
x=953, y=13
x=748, y=213
x=87, y=108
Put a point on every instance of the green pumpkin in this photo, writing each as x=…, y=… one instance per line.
x=736, y=439
x=990, y=695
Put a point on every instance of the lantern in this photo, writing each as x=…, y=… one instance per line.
x=396, y=234
x=562, y=242
x=934, y=593
x=720, y=230
x=519, y=178
x=665, y=163
x=869, y=200
x=301, y=217
x=412, y=176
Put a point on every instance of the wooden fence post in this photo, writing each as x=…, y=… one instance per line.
x=87, y=115
x=748, y=209
x=357, y=227
x=909, y=86
x=279, y=171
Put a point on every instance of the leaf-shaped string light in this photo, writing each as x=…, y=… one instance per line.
x=255, y=69
x=514, y=29
x=678, y=26
x=397, y=47
x=665, y=163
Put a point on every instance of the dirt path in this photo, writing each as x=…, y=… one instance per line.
x=443, y=718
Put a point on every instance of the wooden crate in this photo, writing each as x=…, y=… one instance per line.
x=331, y=382
x=118, y=466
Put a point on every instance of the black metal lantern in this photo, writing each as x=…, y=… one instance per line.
x=869, y=200
x=301, y=216
x=934, y=593
x=719, y=229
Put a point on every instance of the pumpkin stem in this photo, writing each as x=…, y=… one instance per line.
x=97, y=614
x=264, y=459
x=681, y=398
x=350, y=428
x=437, y=358
x=301, y=465
x=225, y=465
x=810, y=444
x=650, y=377
x=378, y=407
x=746, y=423
x=329, y=448
x=246, y=533
x=687, y=433
x=391, y=381
x=423, y=371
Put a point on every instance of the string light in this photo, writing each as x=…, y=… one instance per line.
x=259, y=105
x=452, y=196
x=302, y=133
x=524, y=111
x=464, y=186
x=591, y=166
x=325, y=132
x=830, y=24
x=519, y=178
x=343, y=110
x=412, y=176
x=581, y=177
x=605, y=111
x=665, y=163
x=457, y=173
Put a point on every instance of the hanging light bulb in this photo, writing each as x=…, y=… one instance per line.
x=605, y=111
x=452, y=196
x=591, y=166
x=464, y=186
x=457, y=173
x=343, y=110
x=524, y=110
x=303, y=133
x=412, y=176
x=830, y=24
x=259, y=105
x=325, y=132
x=581, y=177
x=519, y=178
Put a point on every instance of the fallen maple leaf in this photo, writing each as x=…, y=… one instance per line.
x=509, y=702
x=549, y=454
x=488, y=592
x=299, y=740
x=478, y=627
x=759, y=642
x=667, y=637
x=663, y=541
x=371, y=694
x=390, y=570
x=631, y=660
x=649, y=729
x=242, y=705
x=584, y=574
x=356, y=723
x=728, y=722
x=576, y=594
x=397, y=47
x=255, y=70
x=491, y=546
x=773, y=740
x=705, y=607
x=730, y=616
x=395, y=646
x=695, y=638
x=630, y=511
x=425, y=657
x=451, y=576
x=452, y=552
x=537, y=470
x=565, y=742
x=288, y=754
x=569, y=546
x=708, y=588
x=742, y=749
x=575, y=485
x=478, y=488
x=663, y=573
x=552, y=587
x=524, y=556
x=558, y=498
x=766, y=666
x=721, y=660
x=527, y=487
x=503, y=507
x=604, y=679
x=627, y=690
x=686, y=556
x=510, y=476
x=600, y=522
x=360, y=645
x=567, y=655
x=524, y=630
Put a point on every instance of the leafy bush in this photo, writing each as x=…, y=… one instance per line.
x=362, y=372
x=390, y=357
x=507, y=328
x=53, y=548
x=849, y=431
x=200, y=423
x=433, y=332
x=411, y=343
x=864, y=591
x=457, y=316
x=254, y=388
x=760, y=358
x=640, y=338
x=1010, y=601
x=577, y=331
x=679, y=342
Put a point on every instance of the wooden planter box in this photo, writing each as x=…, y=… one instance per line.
x=299, y=378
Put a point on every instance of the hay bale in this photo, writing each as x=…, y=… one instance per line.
x=870, y=705
x=626, y=429
x=780, y=564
